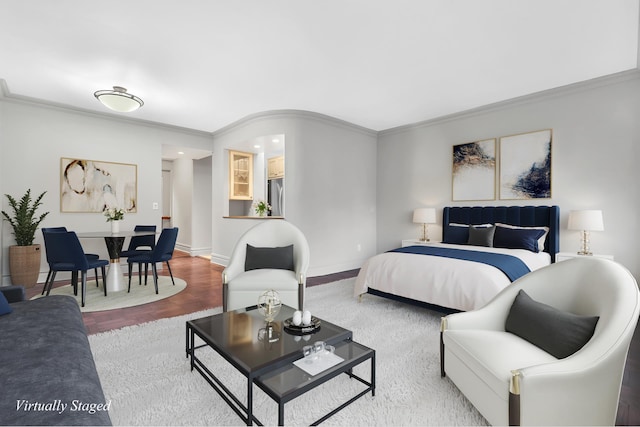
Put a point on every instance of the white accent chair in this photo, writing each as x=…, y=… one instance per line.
x=511, y=381
x=242, y=288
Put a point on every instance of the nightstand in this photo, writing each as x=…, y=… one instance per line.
x=414, y=242
x=563, y=256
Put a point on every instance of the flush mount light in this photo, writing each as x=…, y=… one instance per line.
x=119, y=100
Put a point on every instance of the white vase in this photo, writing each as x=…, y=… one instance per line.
x=115, y=226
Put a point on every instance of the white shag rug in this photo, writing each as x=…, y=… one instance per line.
x=146, y=376
x=140, y=294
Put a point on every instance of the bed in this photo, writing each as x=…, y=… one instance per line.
x=483, y=250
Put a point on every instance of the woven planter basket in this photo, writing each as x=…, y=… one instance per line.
x=24, y=265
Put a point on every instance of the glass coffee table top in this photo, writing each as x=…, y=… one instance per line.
x=245, y=339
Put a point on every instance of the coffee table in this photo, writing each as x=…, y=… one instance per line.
x=265, y=357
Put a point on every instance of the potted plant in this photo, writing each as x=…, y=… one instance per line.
x=261, y=207
x=114, y=215
x=24, y=257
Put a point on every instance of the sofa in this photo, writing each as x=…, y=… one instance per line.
x=48, y=373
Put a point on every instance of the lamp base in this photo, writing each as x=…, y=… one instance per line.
x=585, y=253
x=585, y=244
x=425, y=234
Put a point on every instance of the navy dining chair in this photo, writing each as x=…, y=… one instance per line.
x=74, y=275
x=141, y=245
x=66, y=254
x=163, y=252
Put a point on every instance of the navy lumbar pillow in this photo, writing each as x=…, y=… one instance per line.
x=457, y=235
x=481, y=235
x=557, y=332
x=517, y=238
x=278, y=258
x=5, y=308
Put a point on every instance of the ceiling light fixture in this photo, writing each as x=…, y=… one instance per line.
x=119, y=100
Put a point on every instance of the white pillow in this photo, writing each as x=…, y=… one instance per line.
x=541, y=240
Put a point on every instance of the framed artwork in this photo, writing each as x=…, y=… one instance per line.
x=525, y=166
x=474, y=171
x=92, y=186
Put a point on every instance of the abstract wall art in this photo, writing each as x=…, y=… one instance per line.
x=92, y=186
x=474, y=171
x=525, y=166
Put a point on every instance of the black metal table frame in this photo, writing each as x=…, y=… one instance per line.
x=245, y=412
x=321, y=378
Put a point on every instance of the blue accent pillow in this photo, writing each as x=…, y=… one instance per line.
x=5, y=308
x=278, y=258
x=517, y=238
x=557, y=332
x=457, y=235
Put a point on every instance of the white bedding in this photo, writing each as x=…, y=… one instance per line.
x=452, y=283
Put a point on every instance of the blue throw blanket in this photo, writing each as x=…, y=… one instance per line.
x=512, y=266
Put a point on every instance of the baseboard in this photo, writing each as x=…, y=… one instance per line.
x=219, y=259
x=313, y=270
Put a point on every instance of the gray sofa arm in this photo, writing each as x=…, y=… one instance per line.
x=14, y=293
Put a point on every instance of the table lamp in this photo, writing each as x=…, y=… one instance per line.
x=586, y=221
x=424, y=216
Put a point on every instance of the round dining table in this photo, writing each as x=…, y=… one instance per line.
x=114, y=241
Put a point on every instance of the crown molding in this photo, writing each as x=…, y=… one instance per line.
x=616, y=78
x=586, y=85
x=7, y=96
x=298, y=114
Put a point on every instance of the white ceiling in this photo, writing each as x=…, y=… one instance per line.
x=203, y=64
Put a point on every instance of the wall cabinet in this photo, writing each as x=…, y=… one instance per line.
x=275, y=167
x=240, y=175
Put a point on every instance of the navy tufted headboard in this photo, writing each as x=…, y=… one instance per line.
x=526, y=216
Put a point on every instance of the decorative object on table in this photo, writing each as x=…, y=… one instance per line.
x=317, y=358
x=301, y=323
x=24, y=257
x=89, y=185
x=525, y=166
x=119, y=100
x=114, y=216
x=474, y=171
x=586, y=221
x=313, y=352
x=261, y=207
x=296, y=319
x=424, y=216
x=269, y=304
x=306, y=318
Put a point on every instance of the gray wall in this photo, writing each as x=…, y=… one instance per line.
x=202, y=204
x=330, y=188
x=595, y=153
x=349, y=189
x=33, y=138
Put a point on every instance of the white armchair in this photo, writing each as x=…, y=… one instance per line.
x=511, y=381
x=242, y=288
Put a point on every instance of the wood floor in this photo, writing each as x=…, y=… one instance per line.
x=205, y=291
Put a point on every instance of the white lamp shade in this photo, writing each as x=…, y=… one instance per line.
x=589, y=220
x=424, y=216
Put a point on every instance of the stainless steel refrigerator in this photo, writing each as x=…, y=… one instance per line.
x=275, y=196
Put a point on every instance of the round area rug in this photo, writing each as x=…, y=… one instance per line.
x=140, y=294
